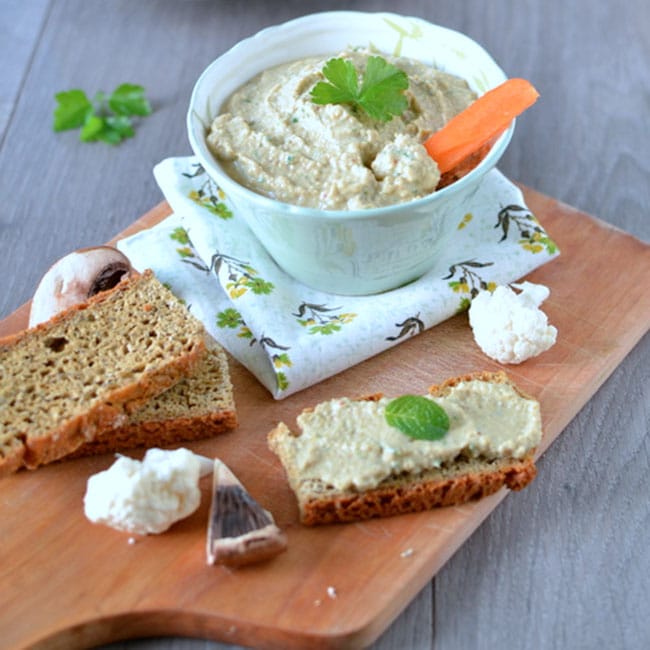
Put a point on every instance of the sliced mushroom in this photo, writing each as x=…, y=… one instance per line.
x=75, y=278
x=240, y=531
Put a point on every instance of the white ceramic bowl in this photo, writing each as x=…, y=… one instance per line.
x=352, y=252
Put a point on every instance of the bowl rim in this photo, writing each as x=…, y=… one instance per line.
x=305, y=212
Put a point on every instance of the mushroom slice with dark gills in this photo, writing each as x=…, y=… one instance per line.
x=240, y=531
x=75, y=278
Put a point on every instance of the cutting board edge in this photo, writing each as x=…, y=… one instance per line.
x=162, y=622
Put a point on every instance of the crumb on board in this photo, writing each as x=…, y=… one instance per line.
x=331, y=592
x=407, y=552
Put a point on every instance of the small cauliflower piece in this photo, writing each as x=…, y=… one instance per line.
x=508, y=326
x=148, y=496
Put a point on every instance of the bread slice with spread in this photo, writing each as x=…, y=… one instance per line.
x=347, y=463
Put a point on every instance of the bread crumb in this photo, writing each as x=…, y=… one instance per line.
x=132, y=541
x=407, y=552
x=331, y=592
x=318, y=602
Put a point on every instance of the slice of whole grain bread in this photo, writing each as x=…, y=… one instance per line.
x=199, y=406
x=90, y=367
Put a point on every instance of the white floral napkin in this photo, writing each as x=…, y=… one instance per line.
x=290, y=336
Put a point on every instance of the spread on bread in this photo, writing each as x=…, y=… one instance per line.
x=347, y=463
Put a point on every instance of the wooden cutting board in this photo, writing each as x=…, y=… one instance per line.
x=67, y=583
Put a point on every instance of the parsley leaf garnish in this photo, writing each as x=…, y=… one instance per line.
x=128, y=100
x=381, y=94
x=73, y=107
x=105, y=118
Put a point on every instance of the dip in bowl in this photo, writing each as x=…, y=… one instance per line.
x=354, y=247
x=275, y=139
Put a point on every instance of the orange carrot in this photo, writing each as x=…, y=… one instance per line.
x=480, y=122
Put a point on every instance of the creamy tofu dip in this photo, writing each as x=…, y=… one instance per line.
x=272, y=138
x=349, y=444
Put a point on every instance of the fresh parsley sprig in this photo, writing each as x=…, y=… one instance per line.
x=107, y=117
x=381, y=94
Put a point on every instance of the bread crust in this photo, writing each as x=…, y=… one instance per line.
x=398, y=497
x=467, y=480
x=158, y=433
x=494, y=377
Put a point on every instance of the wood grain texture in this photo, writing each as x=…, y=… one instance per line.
x=161, y=583
x=585, y=143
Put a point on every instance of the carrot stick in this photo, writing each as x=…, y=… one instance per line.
x=481, y=121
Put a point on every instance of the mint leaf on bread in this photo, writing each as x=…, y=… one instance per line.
x=418, y=417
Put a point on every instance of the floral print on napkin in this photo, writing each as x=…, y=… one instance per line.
x=291, y=336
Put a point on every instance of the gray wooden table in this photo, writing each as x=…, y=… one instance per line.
x=566, y=564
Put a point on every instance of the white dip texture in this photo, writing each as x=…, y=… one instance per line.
x=349, y=444
x=272, y=138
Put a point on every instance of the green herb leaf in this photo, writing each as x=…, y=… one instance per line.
x=129, y=99
x=121, y=125
x=381, y=94
x=105, y=118
x=343, y=89
x=418, y=417
x=91, y=128
x=110, y=136
x=72, y=110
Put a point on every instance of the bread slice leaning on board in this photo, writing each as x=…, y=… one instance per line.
x=90, y=368
x=466, y=477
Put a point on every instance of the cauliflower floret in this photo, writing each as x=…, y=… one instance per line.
x=145, y=497
x=509, y=327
